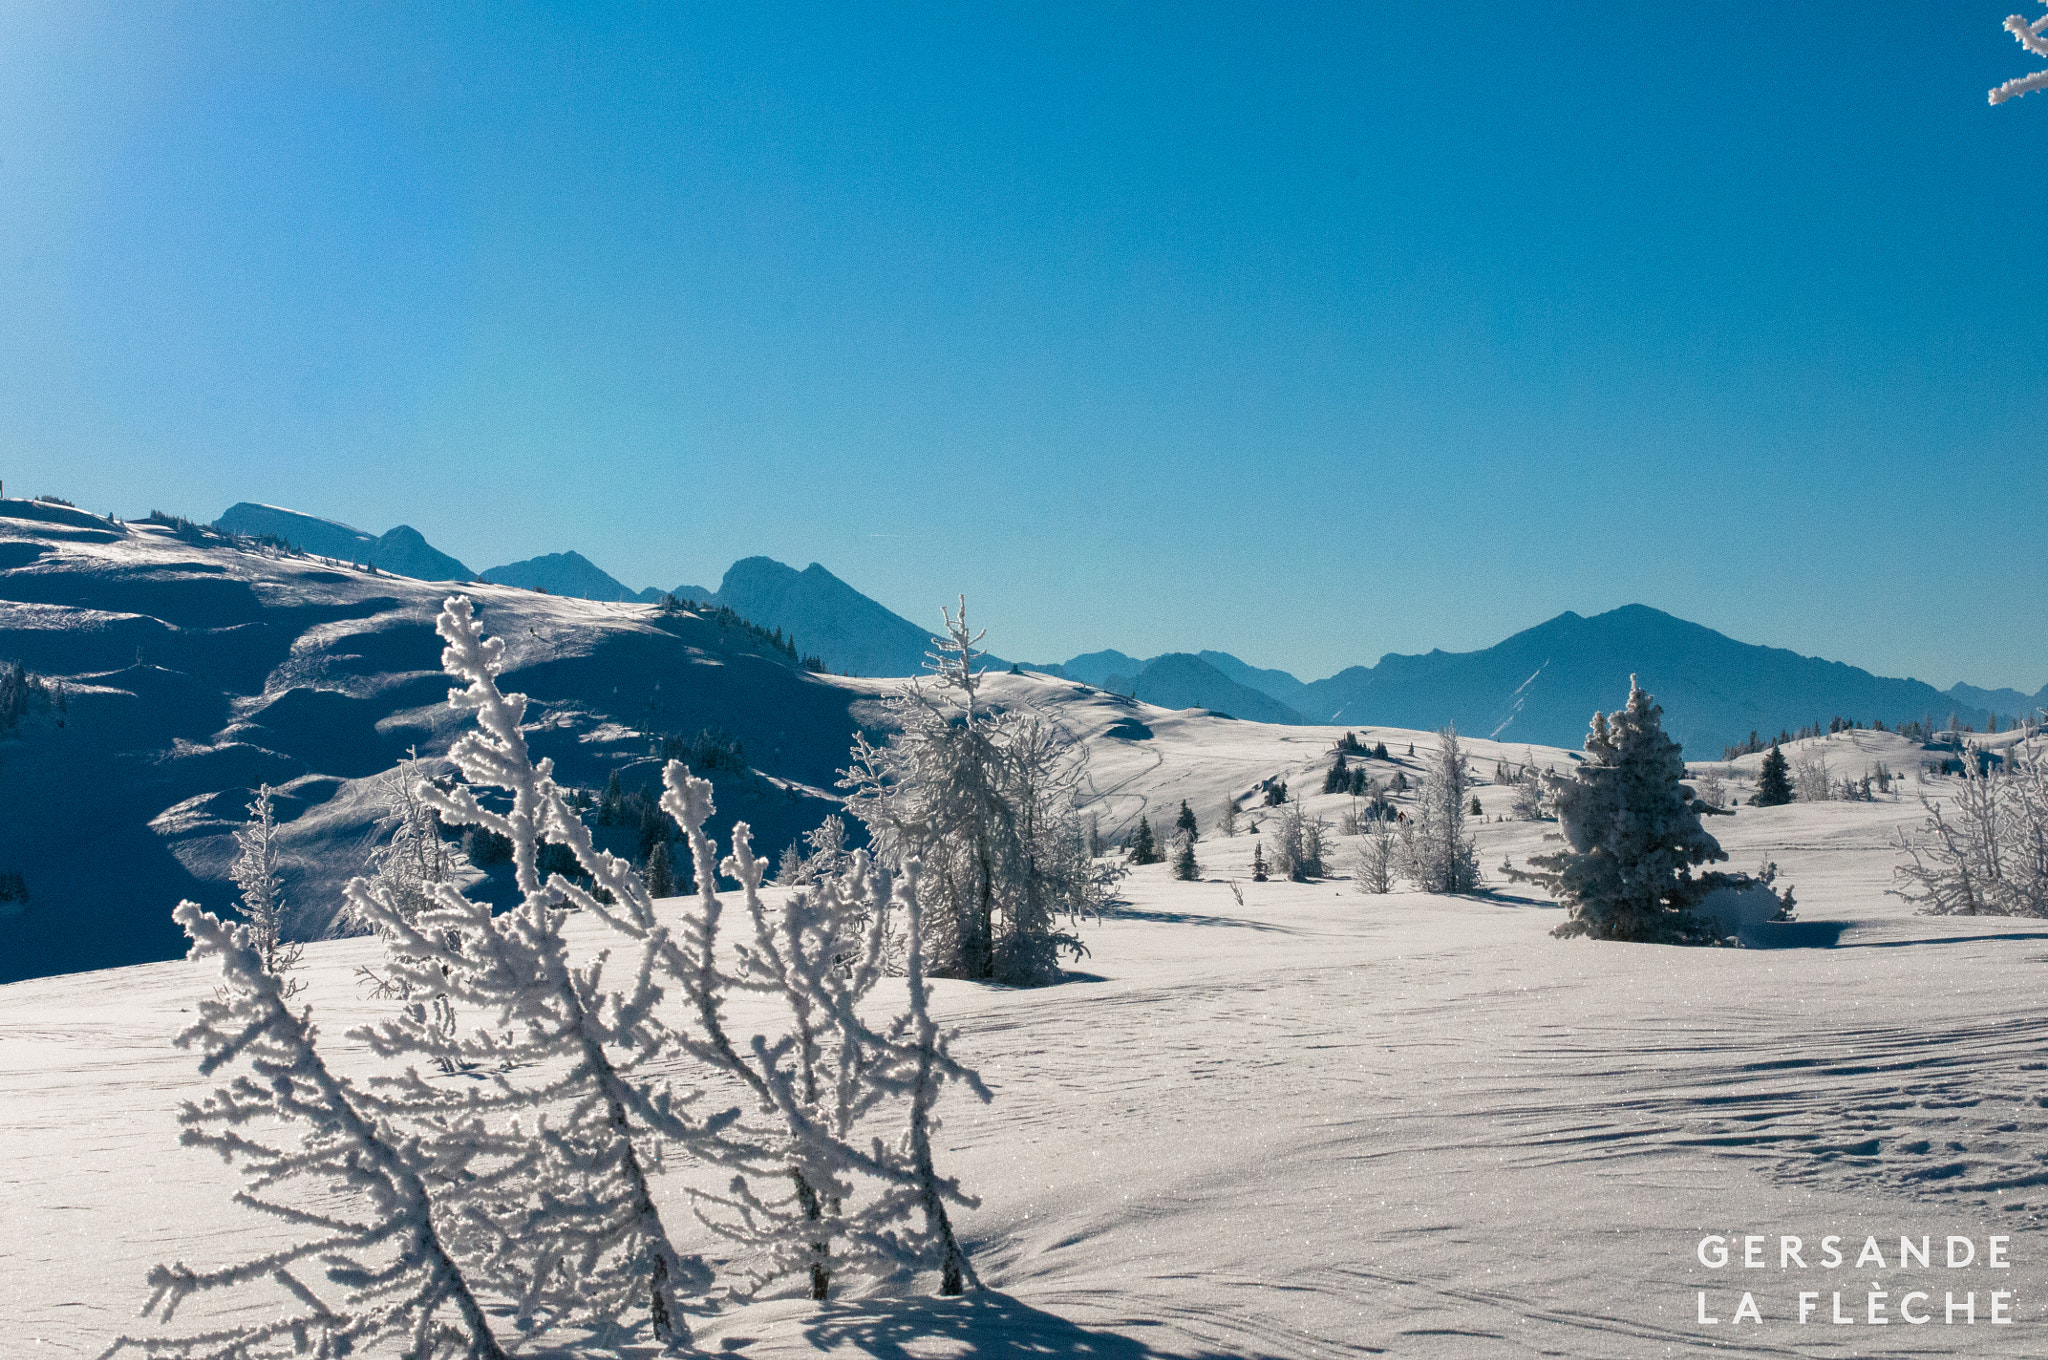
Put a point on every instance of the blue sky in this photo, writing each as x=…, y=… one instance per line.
x=1304, y=333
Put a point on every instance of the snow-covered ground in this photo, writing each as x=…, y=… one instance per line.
x=1311, y=1123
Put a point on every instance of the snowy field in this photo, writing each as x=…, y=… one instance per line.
x=1313, y=1123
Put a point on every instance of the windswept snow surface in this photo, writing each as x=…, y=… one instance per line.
x=1314, y=1123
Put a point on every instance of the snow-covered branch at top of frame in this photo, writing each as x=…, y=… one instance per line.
x=2034, y=37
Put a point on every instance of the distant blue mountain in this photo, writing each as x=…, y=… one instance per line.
x=1543, y=684
x=567, y=573
x=1275, y=684
x=402, y=551
x=2007, y=703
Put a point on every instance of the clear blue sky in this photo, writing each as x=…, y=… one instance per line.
x=1307, y=334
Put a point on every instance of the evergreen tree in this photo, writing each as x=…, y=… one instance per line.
x=1632, y=835
x=1258, y=862
x=1184, y=866
x=1185, y=823
x=1338, y=779
x=1144, y=850
x=612, y=805
x=1774, y=783
x=661, y=876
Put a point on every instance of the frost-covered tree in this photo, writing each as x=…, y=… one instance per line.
x=1298, y=844
x=806, y=1196
x=1631, y=835
x=2030, y=36
x=257, y=871
x=821, y=954
x=1530, y=791
x=368, y=1270
x=1436, y=854
x=1185, y=823
x=987, y=803
x=1812, y=780
x=1226, y=816
x=559, y=1208
x=1774, y=780
x=1373, y=871
x=414, y=857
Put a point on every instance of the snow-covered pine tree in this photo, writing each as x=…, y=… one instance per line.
x=1185, y=866
x=1438, y=856
x=1144, y=849
x=790, y=868
x=1226, y=816
x=1258, y=862
x=1185, y=823
x=1632, y=836
x=986, y=802
x=1774, y=780
x=300, y=1133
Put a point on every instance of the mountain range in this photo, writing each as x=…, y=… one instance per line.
x=1540, y=685
x=188, y=668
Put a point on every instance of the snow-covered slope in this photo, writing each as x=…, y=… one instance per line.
x=195, y=671
x=1306, y=1123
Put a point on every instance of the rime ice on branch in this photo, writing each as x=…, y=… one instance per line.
x=300, y=1132
x=2030, y=36
x=562, y=1212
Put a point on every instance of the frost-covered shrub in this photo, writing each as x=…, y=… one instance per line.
x=1812, y=780
x=1632, y=836
x=527, y=1180
x=1987, y=854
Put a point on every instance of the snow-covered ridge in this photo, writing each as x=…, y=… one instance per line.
x=195, y=671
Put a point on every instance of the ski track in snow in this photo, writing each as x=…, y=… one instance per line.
x=1318, y=1124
